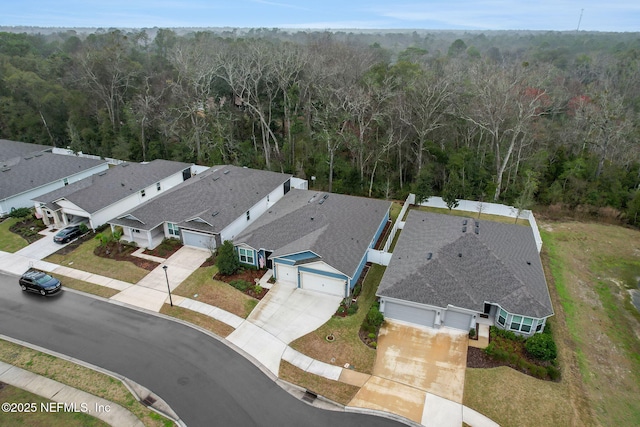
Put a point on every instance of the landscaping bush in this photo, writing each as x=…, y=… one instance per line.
x=227, y=260
x=20, y=213
x=538, y=371
x=374, y=317
x=541, y=346
x=553, y=372
x=257, y=289
x=353, y=309
x=241, y=285
x=83, y=227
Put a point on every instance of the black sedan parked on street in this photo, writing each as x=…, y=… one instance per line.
x=67, y=234
x=40, y=282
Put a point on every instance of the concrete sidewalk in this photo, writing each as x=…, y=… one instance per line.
x=107, y=411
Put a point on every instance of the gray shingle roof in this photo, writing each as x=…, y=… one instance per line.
x=339, y=229
x=101, y=190
x=10, y=149
x=499, y=265
x=229, y=194
x=20, y=174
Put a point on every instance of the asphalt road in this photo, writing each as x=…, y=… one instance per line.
x=204, y=381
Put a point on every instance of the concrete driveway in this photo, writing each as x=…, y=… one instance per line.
x=151, y=292
x=281, y=317
x=42, y=248
x=419, y=373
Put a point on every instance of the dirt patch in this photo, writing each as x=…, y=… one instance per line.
x=119, y=252
x=477, y=358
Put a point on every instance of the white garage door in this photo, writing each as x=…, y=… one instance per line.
x=205, y=241
x=324, y=284
x=287, y=274
x=454, y=319
x=417, y=315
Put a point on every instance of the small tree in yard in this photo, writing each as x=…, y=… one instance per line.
x=20, y=213
x=227, y=261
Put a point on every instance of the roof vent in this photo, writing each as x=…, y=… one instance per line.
x=326, y=196
x=103, y=173
x=459, y=254
x=429, y=256
x=215, y=178
x=477, y=230
x=464, y=222
x=477, y=224
x=28, y=158
x=311, y=218
x=528, y=262
x=321, y=201
x=124, y=165
x=6, y=169
x=38, y=155
x=464, y=229
x=215, y=213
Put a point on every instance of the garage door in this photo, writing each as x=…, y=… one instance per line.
x=417, y=315
x=454, y=319
x=205, y=241
x=287, y=274
x=324, y=284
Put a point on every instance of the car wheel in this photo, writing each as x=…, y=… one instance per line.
x=24, y=288
x=42, y=292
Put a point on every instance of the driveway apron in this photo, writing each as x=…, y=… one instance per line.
x=282, y=316
x=417, y=371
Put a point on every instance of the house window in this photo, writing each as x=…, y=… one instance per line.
x=142, y=193
x=502, y=317
x=248, y=216
x=526, y=324
x=173, y=229
x=158, y=186
x=135, y=230
x=246, y=255
x=540, y=326
x=515, y=323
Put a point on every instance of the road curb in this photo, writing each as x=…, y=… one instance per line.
x=160, y=406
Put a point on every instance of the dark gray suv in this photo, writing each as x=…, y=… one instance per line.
x=42, y=283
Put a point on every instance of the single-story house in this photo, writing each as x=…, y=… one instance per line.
x=208, y=209
x=100, y=197
x=449, y=271
x=315, y=240
x=27, y=171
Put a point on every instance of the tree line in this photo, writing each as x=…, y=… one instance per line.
x=519, y=118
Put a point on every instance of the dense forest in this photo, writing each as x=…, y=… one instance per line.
x=526, y=118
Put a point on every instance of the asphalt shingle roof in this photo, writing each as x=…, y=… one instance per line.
x=228, y=190
x=499, y=265
x=20, y=174
x=10, y=149
x=101, y=190
x=337, y=228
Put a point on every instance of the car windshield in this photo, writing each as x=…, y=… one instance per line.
x=44, y=279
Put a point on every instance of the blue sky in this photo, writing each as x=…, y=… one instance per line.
x=559, y=15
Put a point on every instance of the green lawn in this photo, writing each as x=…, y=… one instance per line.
x=10, y=242
x=83, y=258
x=486, y=217
x=215, y=292
x=77, y=376
x=38, y=417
